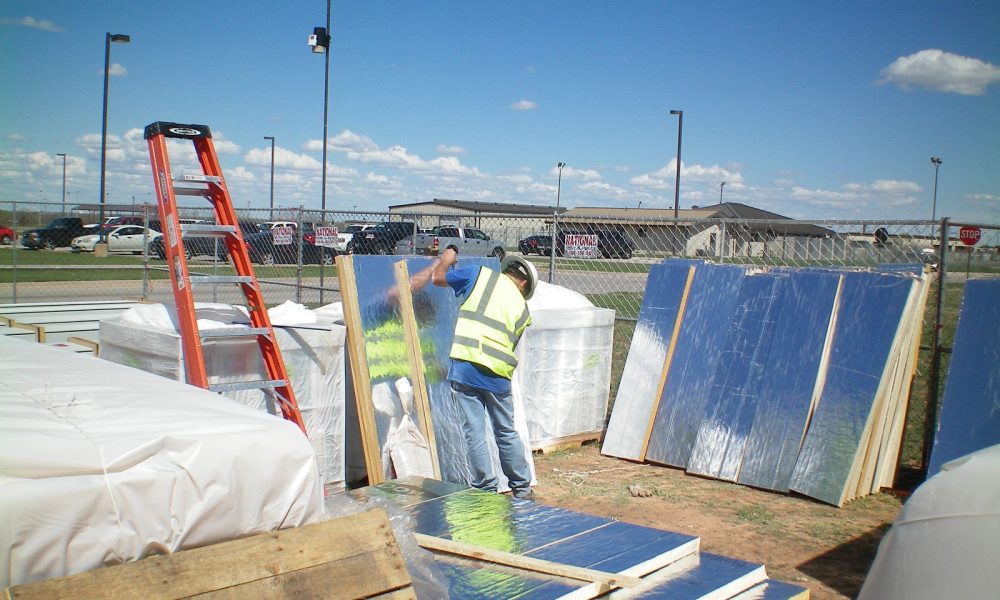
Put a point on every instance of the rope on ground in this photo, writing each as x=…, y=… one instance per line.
x=578, y=478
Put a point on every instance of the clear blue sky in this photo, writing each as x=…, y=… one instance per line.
x=811, y=110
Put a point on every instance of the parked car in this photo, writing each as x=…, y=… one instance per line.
x=202, y=245
x=123, y=238
x=346, y=235
x=465, y=240
x=536, y=244
x=7, y=235
x=382, y=238
x=264, y=251
x=610, y=244
x=58, y=233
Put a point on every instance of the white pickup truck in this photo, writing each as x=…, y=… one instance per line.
x=465, y=240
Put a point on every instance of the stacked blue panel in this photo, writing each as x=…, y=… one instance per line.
x=789, y=378
x=640, y=380
x=970, y=408
x=700, y=343
x=871, y=306
x=731, y=406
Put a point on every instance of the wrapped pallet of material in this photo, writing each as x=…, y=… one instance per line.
x=101, y=464
x=564, y=366
x=146, y=338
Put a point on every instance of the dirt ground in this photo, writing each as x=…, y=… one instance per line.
x=801, y=541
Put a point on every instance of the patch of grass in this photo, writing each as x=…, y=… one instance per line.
x=756, y=514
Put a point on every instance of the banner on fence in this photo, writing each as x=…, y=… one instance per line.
x=326, y=237
x=579, y=245
x=283, y=236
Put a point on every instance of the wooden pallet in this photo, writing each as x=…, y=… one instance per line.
x=565, y=442
x=348, y=557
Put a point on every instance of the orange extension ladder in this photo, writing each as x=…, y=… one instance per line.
x=211, y=185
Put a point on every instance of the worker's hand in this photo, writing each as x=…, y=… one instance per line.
x=449, y=257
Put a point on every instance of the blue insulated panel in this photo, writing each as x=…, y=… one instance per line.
x=871, y=305
x=614, y=547
x=637, y=392
x=701, y=340
x=970, y=409
x=702, y=577
x=729, y=412
x=385, y=342
x=436, y=311
x=470, y=581
x=788, y=378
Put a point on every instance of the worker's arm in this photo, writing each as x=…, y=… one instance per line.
x=448, y=258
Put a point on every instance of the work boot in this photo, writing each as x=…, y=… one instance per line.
x=523, y=493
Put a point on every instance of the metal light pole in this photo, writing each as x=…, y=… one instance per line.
x=555, y=224
x=271, y=137
x=937, y=164
x=320, y=42
x=64, y=184
x=677, y=176
x=109, y=37
x=721, y=185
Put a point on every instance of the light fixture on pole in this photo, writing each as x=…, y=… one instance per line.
x=119, y=38
x=271, y=137
x=721, y=185
x=555, y=223
x=937, y=164
x=64, y=184
x=320, y=43
x=677, y=175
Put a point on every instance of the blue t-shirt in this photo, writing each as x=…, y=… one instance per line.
x=463, y=280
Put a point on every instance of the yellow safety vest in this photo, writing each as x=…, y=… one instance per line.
x=490, y=323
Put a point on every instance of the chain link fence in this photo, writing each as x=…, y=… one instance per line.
x=604, y=258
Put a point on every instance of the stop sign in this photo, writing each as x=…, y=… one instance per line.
x=970, y=235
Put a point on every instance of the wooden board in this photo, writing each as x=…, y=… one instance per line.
x=357, y=556
x=359, y=369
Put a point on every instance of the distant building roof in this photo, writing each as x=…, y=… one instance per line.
x=726, y=210
x=483, y=207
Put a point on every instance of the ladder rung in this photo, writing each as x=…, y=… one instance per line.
x=224, y=332
x=206, y=279
x=200, y=178
x=199, y=230
x=190, y=192
x=264, y=384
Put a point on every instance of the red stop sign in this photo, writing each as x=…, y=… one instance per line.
x=970, y=235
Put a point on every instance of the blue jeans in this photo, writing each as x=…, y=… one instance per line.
x=500, y=409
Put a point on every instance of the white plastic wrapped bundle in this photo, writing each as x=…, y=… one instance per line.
x=564, y=372
x=313, y=353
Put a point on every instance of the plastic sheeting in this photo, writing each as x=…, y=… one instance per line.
x=102, y=464
x=564, y=372
x=970, y=409
x=946, y=539
x=145, y=337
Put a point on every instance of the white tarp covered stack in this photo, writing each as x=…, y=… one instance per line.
x=146, y=337
x=102, y=464
x=564, y=376
x=945, y=542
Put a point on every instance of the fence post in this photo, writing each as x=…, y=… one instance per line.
x=298, y=260
x=145, y=252
x=930, y=418
x=13, y=251
x=555, y=242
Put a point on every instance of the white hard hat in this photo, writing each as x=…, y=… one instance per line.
x=526, y=270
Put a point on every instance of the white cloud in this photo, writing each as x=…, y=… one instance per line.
x=444, y=149
x=16, y=137
x=32, y=23
x=283, y=158
x=664, y=177
x=116, y=70
x=941, y=71
x=571, y=173
x=524, y=105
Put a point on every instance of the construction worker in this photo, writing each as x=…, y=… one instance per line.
x=492, y=318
